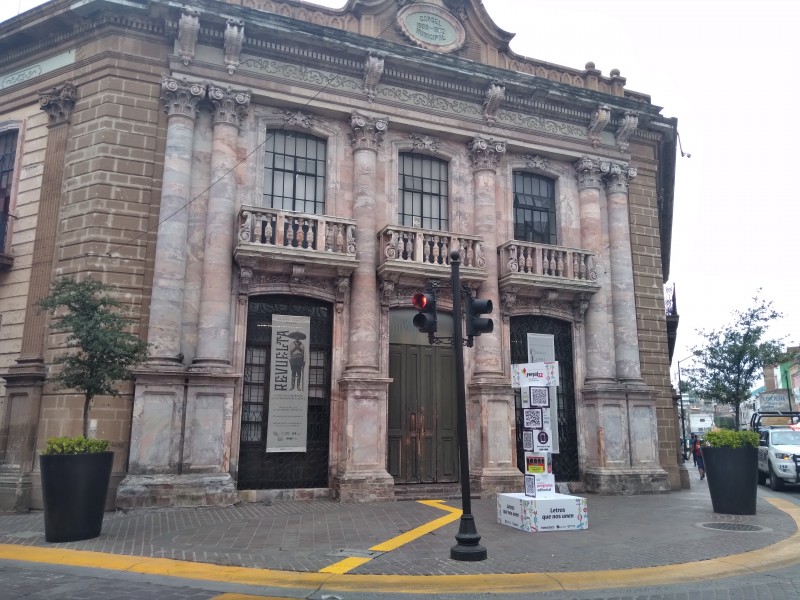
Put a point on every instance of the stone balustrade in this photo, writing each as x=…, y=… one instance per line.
x=427, y=247
x=302, y=232
x=542, y=260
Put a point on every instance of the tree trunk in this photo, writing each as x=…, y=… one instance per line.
x=86, y=403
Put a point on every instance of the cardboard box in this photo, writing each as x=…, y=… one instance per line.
x=559, y=512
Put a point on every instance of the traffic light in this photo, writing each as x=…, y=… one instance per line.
x=474, y=323
x=425, y=319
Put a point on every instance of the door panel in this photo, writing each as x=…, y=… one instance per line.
x=422, y=424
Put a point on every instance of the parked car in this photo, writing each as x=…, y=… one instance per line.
x=779, y=455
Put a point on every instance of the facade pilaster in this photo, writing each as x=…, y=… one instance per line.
x=214, y=328
x=626, y=334
x=599, y=350
x=180, y=100
x=491, y=399
x=365, y=391
x=24, y=379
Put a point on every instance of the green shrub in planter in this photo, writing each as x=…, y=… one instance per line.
x=727, y=438
x=74, y=445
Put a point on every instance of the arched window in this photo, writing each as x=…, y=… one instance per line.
x=534, y=209
x=294, y=172
x=423, y=192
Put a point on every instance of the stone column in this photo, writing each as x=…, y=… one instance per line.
x=363, y=350
x=364, y=476
x=164, y=332
x=626, y=334
x=24, y=379
x=213, y=332
x=491, y=398
x=599, y=350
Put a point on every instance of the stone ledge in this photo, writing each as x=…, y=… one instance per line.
x=185, y=491
x=284, y=495
x=627, y=482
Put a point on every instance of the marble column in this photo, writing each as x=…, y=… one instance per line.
x=214, y=327
x=599, y=350
x=164, y=332
x=626, y=333
x=491, y=399
x=25, y=378
x=363, y=349
x=366, y=393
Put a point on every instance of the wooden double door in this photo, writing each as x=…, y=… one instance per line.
x=423, y=446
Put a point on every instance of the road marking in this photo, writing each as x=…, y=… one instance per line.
x=348, y=564
x=782, y=554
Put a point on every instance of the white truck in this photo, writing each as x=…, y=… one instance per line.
x=779, y=456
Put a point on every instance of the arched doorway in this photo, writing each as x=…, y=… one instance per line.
x=285, y=470
x=565, y=463
x=422, y=441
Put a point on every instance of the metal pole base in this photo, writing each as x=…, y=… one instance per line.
x=468, y=548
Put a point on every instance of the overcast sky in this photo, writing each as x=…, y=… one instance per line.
x=727, y=70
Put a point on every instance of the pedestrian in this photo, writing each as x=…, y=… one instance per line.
x=692, y=440
x=698, y=457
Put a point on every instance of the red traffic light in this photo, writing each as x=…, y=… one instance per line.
x=420, y=301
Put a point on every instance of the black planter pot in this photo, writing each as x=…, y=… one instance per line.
x=732, y=482
x=74, y=488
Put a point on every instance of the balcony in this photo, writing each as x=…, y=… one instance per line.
x=276, y=241
x=411, y=255
x=544, y=271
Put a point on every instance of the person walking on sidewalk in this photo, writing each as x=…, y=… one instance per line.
x=698, y=457
x=692, y=440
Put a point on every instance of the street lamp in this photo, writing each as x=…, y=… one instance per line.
x=683, y=413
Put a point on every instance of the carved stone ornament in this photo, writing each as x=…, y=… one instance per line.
x=368, y=132
x=181, y=97
x=493, y=100
x=579, y=307
x=188, y=28
x=58, y=102
x=373, y=69
x=537, y=162
x=425, y=142
x=508, y=301
x=600, y=119
x=626, y=128
x=485, y=154
x=230, y=106
x=245, y=278
x=589, y=172
x=298, y=118
x=431, y=27
x=234, y=36
x=617, y=178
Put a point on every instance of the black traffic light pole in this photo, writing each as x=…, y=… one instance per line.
x=468, y=547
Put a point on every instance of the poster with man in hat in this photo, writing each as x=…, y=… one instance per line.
x=287, y=416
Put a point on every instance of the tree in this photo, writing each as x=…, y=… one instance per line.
x=734, y=356
x=96, y=328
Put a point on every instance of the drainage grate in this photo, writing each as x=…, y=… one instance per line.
x=733, y=527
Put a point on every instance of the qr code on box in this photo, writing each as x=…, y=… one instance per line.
x=532, y=418
x=527, y=440
x=539, y=396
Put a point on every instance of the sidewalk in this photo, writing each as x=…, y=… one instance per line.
x=362, y=547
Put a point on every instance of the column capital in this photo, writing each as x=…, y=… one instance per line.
x=58, y=102
x=368, y=132
x=485, y=154
x=589, y=171
x=617, y=177
x=230, y=106
x=181, y=97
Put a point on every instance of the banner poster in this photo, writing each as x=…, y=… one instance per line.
x=287, y=418
x=540, y=374
x=536, y=464
x=541, y=348
x=542, y=441
x=545, y=485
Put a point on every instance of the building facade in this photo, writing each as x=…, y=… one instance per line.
x=265, y=184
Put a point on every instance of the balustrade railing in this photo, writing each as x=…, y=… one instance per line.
x=547, y=261
x=427, y=247
x=314, y=233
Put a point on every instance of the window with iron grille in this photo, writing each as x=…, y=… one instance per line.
x=8, y=150
x=423, y=192
x=534, y=209
x=294, y=172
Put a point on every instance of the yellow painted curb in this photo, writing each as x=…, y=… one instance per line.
x=782, y=554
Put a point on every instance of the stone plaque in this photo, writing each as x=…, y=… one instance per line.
x=431, y=27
